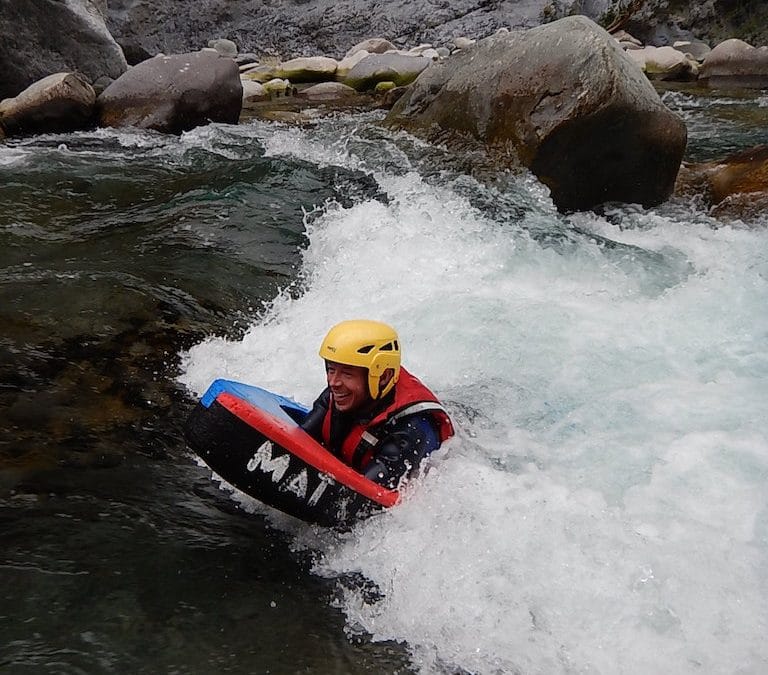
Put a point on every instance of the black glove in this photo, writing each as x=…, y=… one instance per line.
x=388, y=464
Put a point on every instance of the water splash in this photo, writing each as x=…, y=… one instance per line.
x=603, y=508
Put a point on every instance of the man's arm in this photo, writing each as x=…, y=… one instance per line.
x=400, y=453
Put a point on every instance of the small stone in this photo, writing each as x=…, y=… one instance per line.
x=382, y=87
x=277, y=87
x=372, y=46
x=224, y=47
x=349, y=62
x=253, y=92
x=327, y=91
x=463, y=42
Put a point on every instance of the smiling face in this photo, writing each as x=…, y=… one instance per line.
x=348, y=384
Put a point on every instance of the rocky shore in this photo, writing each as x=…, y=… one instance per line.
x=543, y=98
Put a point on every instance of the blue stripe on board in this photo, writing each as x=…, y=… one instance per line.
x=256, y=396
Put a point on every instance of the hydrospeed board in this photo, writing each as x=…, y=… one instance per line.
x=252, y=439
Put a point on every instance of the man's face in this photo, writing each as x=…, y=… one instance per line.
x=349, y=385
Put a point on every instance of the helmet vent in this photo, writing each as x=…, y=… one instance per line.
x=387, y=347
x=365, y=350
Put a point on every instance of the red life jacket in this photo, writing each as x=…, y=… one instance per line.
x=411, y=397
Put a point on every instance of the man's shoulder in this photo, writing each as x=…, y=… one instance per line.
x=422, y=421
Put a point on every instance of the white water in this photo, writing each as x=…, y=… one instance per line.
x=604, y=508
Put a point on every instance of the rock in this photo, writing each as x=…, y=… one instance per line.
x=311, y=69
x=39, y=38
x=61, y=102
x=372, y=46
x=463, y=42
x=246, y=59
x=735, y=63
x=420, y=49
x=134, y=53
x=277, y=87
x=253, y=92
x=561, y=99
x=101, y=84
x=392, y=96
x=664, y=63
x=736, y=186
x=376, y=68
x=300, y=28
x=173, y=94
x=695, y=49
x=259, y=72
x=443, y=52
x=623, y=36
x=383, y=87
x=224, y=47
x=668, y=21
x=744, y=207
x=327, y=91
x=745, y=172
x=665, y=35
x=349, y=62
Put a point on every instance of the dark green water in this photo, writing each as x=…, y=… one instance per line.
x=118, y=554
x=135, y=569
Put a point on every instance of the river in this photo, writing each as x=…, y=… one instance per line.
x=603, y=508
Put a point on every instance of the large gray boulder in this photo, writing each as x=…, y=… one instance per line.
x=59, y=103
x=735, y=63
x=173, y=94
x=40, y=37
x=563, y=100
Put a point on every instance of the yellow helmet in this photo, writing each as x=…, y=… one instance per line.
x=367, y=344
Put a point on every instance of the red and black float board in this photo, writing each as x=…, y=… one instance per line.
x=251, y=438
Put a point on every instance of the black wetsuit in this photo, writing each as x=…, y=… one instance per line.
x=402, y=445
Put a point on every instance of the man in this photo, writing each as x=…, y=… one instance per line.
x=374, y=414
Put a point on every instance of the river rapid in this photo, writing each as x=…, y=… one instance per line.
x=602, y=509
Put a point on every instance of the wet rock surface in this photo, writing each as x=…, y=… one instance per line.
x=61, y=102
x=40, y=38
x=562, y=100
x=174, y=93
x=735, y=63
x=735, y=186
